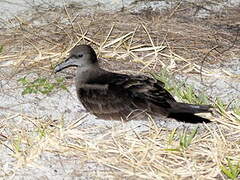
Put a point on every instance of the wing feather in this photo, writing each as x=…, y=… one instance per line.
x=124, y=95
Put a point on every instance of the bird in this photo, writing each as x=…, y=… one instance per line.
x=114, y=96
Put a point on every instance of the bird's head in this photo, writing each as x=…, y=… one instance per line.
x=80, y=56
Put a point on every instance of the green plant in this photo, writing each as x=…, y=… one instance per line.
x=181, y=90
x=17, y=144
x=186, y=140
x=237, y=111
x=171, y=136
x=230, y=170
x=1, y=48
x=41, y=131
x=40, y=85
x=171, y=139
x=188, y=94
x=220, y=105
x=164, y=77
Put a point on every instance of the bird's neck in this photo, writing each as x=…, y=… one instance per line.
x=85, y=74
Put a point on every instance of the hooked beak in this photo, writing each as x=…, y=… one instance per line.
x=69, y=62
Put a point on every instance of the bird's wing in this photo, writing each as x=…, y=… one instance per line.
x=106, y=98
x=150, y=90
x=122, y=94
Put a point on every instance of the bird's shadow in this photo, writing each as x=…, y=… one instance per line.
x=188, y=118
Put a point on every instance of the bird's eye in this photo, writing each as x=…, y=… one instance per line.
x=80, y=55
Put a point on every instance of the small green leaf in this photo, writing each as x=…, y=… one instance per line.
x=171, y=136
x=186, y=140
x=59, y=80
x=23, y=80
x=63, y=87
x=41, y=85
x=231, y=171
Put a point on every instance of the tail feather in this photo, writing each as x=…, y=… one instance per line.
x=188, y=118
x=189, y=108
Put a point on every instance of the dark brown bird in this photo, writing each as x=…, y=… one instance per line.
x=110, y=95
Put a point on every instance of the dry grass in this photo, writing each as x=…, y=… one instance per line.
x=149, y=41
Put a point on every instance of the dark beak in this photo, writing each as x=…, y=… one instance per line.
x=65, y=64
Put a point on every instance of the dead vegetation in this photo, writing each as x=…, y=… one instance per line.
x=133, y=43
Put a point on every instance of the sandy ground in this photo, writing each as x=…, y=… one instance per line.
x=21, y=114
x=17, y=111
